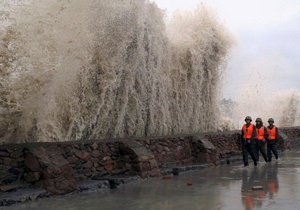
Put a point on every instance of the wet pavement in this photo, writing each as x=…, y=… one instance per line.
x=274, y=185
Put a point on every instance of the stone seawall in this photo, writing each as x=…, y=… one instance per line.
x=58, y=167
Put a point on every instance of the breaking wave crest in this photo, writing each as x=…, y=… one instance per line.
x=73, y=70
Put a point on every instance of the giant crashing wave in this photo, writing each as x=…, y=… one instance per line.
x=81, y=70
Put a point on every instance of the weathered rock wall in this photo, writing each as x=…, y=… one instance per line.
x=292, y=136
x=59, y=166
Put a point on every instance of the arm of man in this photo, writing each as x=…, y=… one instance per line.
x=253, y=133
x=266, y=134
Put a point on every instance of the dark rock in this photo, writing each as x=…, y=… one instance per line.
x=66, y=155
x=117, y=172
x=95, y=153
x=43, y=156
x=82, y=154
x=114, y=157
x=16, y=154
x=94, y=146
x=14, y=163
x=73, y=159
x=7, y=202
x=8, y=181
x=100, y=168
x=56, y=172
x=113, y=183
x=88, y=173
x=99, y=175
x=51, y=172
x=10, y=175
x=88, y=165
x=4, y=154
x=92, y=185
x=7, y=161
x=14, y=171
x=10, y=187
x=95, y=160
x=179, y=148
x=159, y=148
x=128, y=166
x=32, y=176
x=32, y=163
x=60, y=185
x=109, y=167
x=33, y=197
x=82, y=147
x=175, y=171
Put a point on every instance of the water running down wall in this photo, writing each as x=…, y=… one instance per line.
x=100, y=69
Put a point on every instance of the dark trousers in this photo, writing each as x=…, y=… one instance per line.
x=271, y=147
x=248, y=148
x=260, y=146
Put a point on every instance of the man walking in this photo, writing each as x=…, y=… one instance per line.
x=272, y=140
x=248, y=135
x=260, y=139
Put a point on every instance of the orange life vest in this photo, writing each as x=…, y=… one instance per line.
x=272, y=133
x=260, y=133
x=248, y=131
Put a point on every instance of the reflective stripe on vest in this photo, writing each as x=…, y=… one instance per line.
x=260, y=133
x=272, y=133
x=248, y=131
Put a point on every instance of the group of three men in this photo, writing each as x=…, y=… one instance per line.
x=255, y=138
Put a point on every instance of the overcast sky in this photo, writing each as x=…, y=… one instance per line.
x=268, y=41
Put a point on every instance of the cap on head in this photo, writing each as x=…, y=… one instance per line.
x=248, y=118
x=258, y=120
x=271, y=120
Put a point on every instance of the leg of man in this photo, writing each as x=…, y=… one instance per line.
x=256, y=149
x=262, y=148
x=245, y=155
x=274, y=150
x=269, y=152
x=250, y=147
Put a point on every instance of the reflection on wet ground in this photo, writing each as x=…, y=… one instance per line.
x=221, y=187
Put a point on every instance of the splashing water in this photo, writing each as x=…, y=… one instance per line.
x=73, y=70
x=260, y=97
x=289, y=109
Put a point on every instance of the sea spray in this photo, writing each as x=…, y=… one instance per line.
x=74, y=70
x=262, y=93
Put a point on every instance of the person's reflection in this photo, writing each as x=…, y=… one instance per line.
x=246, y=191
x=250, y=197
x=272, y=180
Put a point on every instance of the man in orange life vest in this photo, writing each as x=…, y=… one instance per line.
x=260, y=139
x=248, y=135
x=272, y=139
